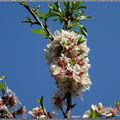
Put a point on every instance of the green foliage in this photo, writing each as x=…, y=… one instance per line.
x=84, y=18
x=70, y=15
x=81, y=40
x=40, y=101
x=3, y=87
x=94, y=115
x=82, y=29
x=42, y=32
x=42, y=15
x=72, y=62
x=67, y=13
x=117, y=103
x=39, y=32
x=2, y=77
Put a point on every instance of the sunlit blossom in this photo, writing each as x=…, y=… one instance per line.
x=100, y=111
x=68, y=60
x=36, y=112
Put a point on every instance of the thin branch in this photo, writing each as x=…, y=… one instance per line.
x=24, y=4
x=69, y=105
x=31, y=22
x=32, y=13
x=63, y=112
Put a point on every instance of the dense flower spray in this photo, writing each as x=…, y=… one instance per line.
x=67, y=56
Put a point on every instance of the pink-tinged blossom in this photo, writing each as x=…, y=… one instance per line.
x=101, y=111
x=21, y=111
x=4, y=109
x=39, y=113
x=10, y=106
x=58, y=100
x=69, y=63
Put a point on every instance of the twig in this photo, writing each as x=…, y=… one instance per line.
x=24, y=4
x=69, y=105
x=63, y=112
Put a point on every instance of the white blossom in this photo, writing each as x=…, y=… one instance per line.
x=87, y=114
x=68, y=60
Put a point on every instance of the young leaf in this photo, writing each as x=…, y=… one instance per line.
x=2, y=77
x=72, y=62
x=117, y=103
x=56, y=18
x=82, y=7
x=85, y=17
x=42, y=15
x=81, y=40
x=39, y=32
x=51, y=6
x=82, y=29
x=40, y=101
x=56, y=14
x=3, y=87
x=94, y=115
x=77, y=6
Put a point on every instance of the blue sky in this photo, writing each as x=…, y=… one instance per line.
x=22, y=56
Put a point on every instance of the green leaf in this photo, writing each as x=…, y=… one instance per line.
x=76, y=6
x=117, y=103
x=82, y=29
x=40, y=101
x=3, y=87
x=56, y=4
x=94, y=115
x=51, y=6
x=2, y=77
x=81, y=40
x=85, y=17
x=82, y=7
x=48, y=15
x=56, y=18
x=72, y=62
x=39, y=32
x=56, y=13
x=42, y=15
x=64, y=43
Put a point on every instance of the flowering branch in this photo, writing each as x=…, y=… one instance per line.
x=10, y=106
x=67, y=56
x=67, y=53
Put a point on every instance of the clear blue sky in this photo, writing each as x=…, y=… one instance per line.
x=22, y=56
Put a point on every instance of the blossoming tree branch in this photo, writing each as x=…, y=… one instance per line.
x=67, y=56
x=67, y=52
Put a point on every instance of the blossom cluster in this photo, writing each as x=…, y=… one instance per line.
x=67, y=56
x=10, y=106
x=101, y=111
